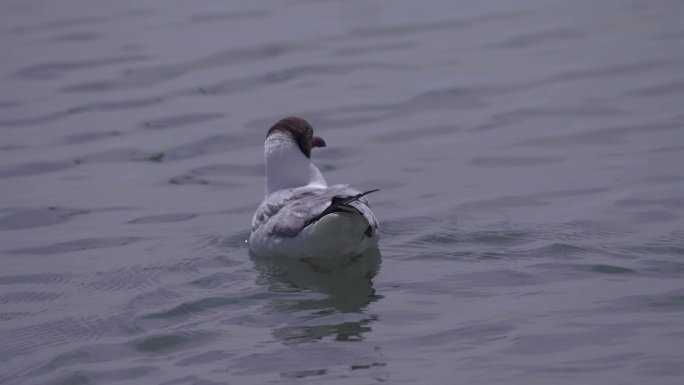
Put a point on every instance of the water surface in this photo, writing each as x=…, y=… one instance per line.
x=529, y=156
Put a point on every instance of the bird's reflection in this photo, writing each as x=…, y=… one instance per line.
x=325, y=303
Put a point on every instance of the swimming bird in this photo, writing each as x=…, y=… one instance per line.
x=301, y=216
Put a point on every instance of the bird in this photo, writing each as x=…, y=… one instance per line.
x=301, y=216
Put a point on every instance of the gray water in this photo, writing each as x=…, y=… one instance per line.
x=528, y=153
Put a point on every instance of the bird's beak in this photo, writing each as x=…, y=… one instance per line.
x=317, y=141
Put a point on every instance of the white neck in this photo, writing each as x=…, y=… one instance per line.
x=287, y=166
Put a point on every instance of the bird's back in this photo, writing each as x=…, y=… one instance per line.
x=314, y=222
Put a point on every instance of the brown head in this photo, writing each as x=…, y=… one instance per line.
x=301, y=131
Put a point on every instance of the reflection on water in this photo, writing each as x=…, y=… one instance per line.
x=342, y=289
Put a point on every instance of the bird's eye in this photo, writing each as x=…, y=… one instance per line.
x=309, y=134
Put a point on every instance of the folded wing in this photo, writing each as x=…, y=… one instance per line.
x=286, y=212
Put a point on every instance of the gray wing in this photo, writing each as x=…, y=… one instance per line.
x=285, y=213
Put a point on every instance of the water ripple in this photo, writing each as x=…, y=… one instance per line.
x=34, y=168
x=150, y=76
x=77, y=245
x=59, y=69
x=26, y=219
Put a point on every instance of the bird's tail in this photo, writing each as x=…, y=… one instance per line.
x=350, y=204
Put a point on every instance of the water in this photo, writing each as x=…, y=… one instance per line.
x=529, y=156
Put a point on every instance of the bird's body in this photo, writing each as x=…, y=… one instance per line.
x=301, y=216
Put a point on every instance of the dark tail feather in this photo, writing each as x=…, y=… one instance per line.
x=335, y=204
